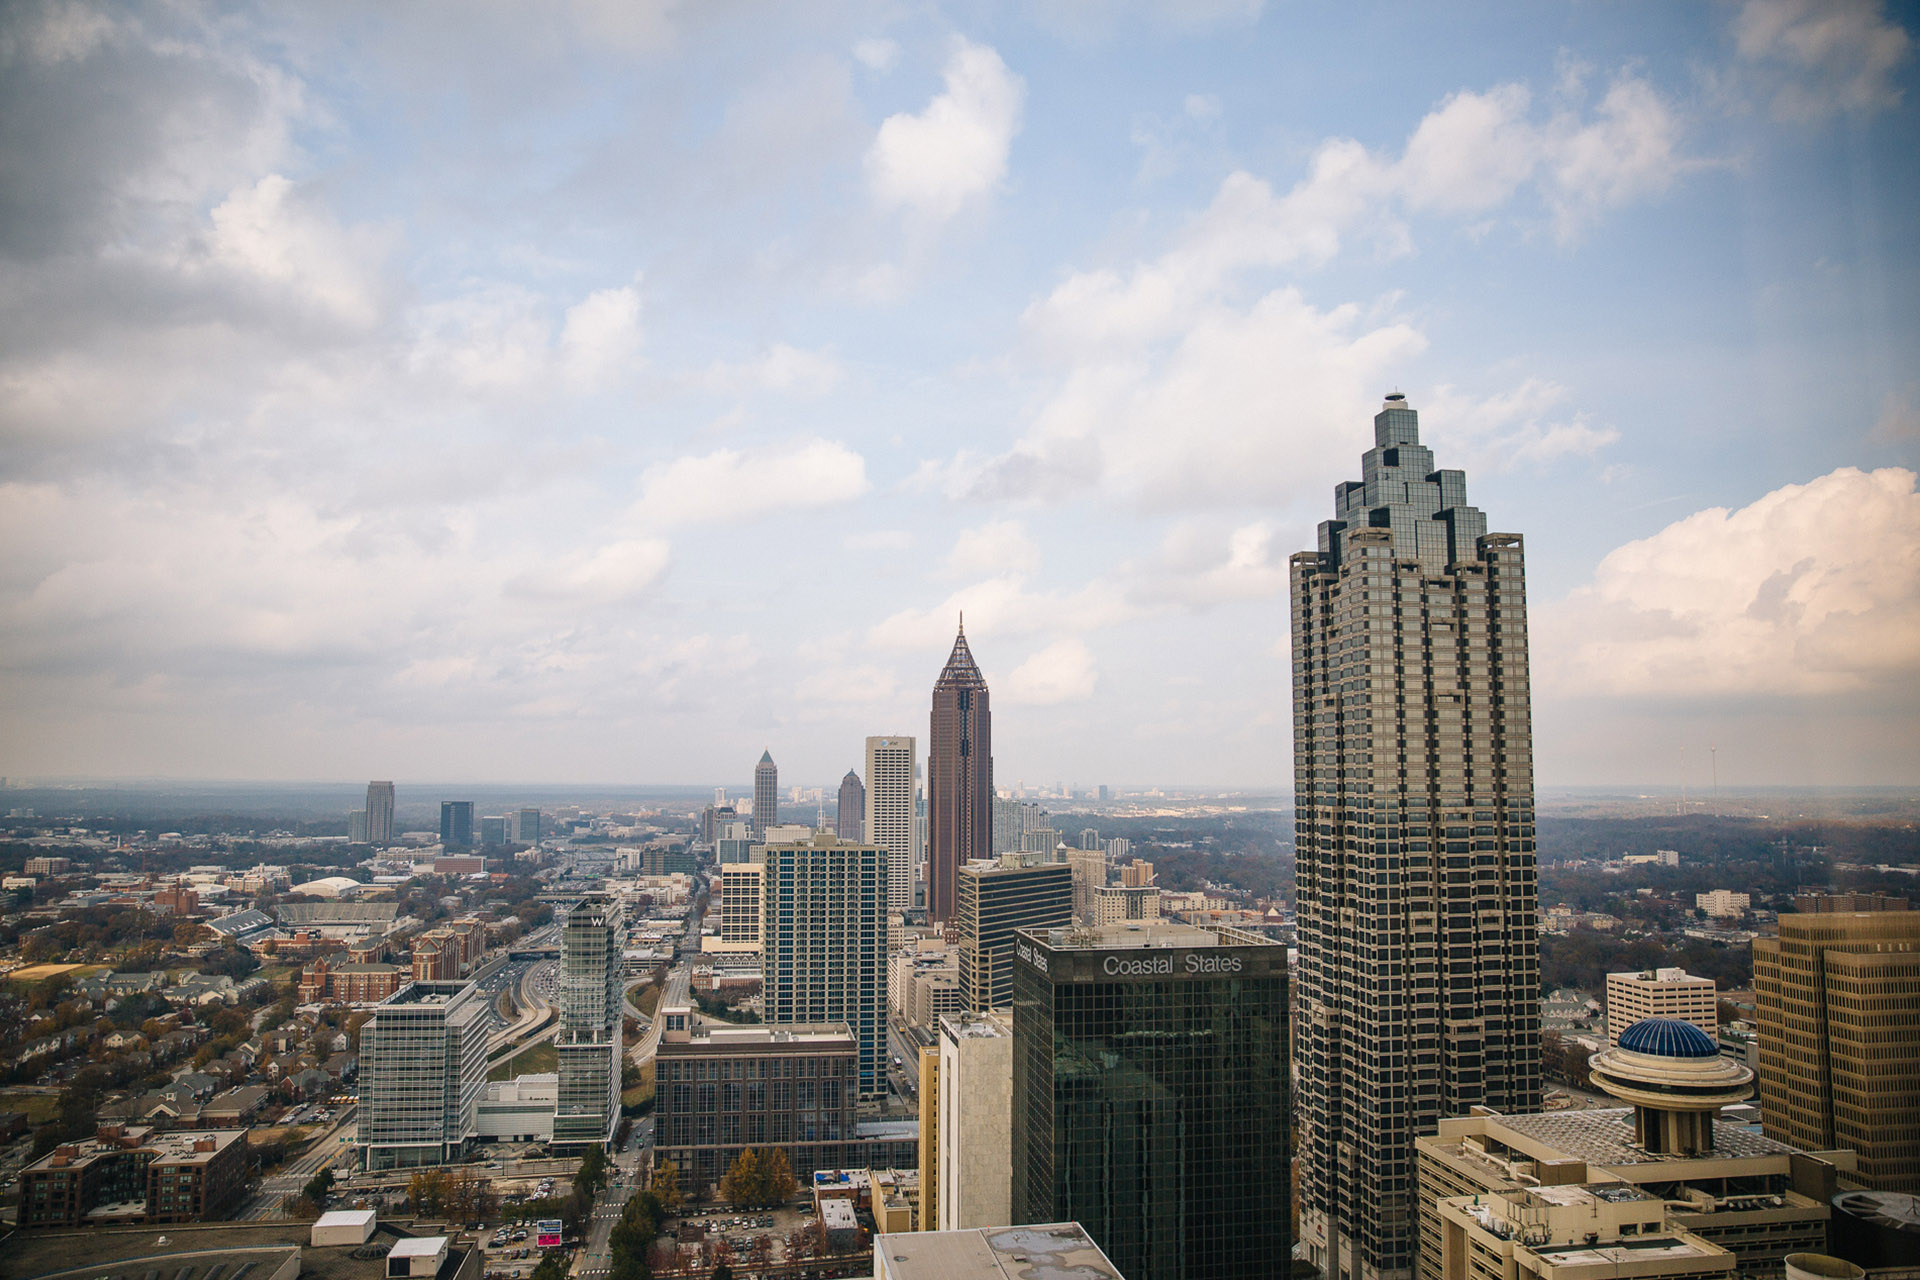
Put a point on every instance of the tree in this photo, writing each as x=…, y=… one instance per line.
x=552, y=1267
x=666, y=1186
x=318, y=1186
x=760, y=1175
x=593, y=1172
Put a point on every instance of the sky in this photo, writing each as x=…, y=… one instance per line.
x=604, y=392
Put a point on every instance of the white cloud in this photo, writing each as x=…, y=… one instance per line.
x=735, y=484
x=1525, y=425
x=1811, y=591
x=877, y=53
x=271, y=238
x=1201, y=565
x=1001, y=607
x=1823, y=56
x=601, y=334
x=612, y=574
x=1061, y=672
x=999, y=547
x=782, y=368
x=956, y=149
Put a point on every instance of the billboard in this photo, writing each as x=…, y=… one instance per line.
x=547, y=1233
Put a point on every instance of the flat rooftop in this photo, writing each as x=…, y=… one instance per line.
x=130, y=1253
x=427, y=993
x=1048, y=1251
x=1605, y=1137
x=709, y=1036
x=1112, y=937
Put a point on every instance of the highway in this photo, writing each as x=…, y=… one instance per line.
x=675, y=993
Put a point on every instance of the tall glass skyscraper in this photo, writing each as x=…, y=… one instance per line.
x=379, y=814
x=959, y=777
x=589, y=1040
x=766, y=795
x=1150, y=1096
x=1419, y=969
x=850, y=817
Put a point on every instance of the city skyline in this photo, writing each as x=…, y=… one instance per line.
x=376, y=412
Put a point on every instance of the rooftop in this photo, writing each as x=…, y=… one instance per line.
x=1115, y=937
x=1605, y=1137
x=132, y=1251
x=427, y=993
x=709, y=1036
x=1050, y=1251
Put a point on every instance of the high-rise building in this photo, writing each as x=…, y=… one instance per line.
x=526, y=826
x=1661, y=993
x=959, y=777
x=1414, y=828
x=715, y=816
x=850, y=822
x=493, y=830
x=456, y=824
x=766, y=794
x=1120, y=903
x=1835, y=997
x=357, y=826
x=1137, y=874
x=1150, y=1095
x=890, y=813
x=1089, y=870
x=975, y=1129
x=379, y=814
x=423, y=1062
x=993, y=900
x=589, y=1038
x=823, y=942
x=1089, y=838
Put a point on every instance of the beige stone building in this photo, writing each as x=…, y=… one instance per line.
x=1608, y=1231
x=1837, y=998
x=1661, y=993
x=976, y=1121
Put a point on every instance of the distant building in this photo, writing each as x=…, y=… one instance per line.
x=740, y=901
x=1089, y=838
x=527, y=827
x=850, y=818
x=994, y=900
x=766, y=794
x=959, y=777
x=1119, y=848
x=1118, y=904
x=1839, y=1017
x=890, y=813
x=456, y=824
x=823, y=943
x=379, y=814
x=1150, y=1086
x=1723, y=904
x=1089, y=870
x=357, y=826
x=493, y=830
x=423, y=1060
x=1136, y=874
x=1661, y=993
x=1815, y=901
x=45, y=866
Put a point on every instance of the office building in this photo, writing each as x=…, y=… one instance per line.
x=975, y=1134
x=1012, y=820
x=959, y=778
x=1088, y=867
x=1572, y=1233
x=1120, y=904
x=423, y=1060
x=379, y=814
x=493, y=830
x=356, y=826
x=1756, y=1198
x=927, y=1066
x=1837, y=999
x=994, y=899
x=1414, y=831
x=1723, y=904
x=850, y=818
x=713, y=818
x=1815, y=901
x=589, y=1040
x=456, y=824
x=1136, y=874
x=721, y=1089
x=1661, y=993
x=823, y=943
x=734, y=842
x=1090, y=838
x=766, y=794
x=526, y=827
x=739, y=893
x=1150, y=1095
x=890, y=814
x=1119, y=848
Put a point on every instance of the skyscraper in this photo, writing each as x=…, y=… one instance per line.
x=766, y=794
x=1834, y=995
x=890, y=813
x=1150, y=1096
x=379, y=814
x=959, y=777
x=1414, y=828
x=991, y=902
x=823, y=942
x=456, y=824
x=589, y=1045
x=851, y=821
x=423, y=1061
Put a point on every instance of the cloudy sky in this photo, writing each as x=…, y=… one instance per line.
x=605, y=391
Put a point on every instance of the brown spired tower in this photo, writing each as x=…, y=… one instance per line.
x=959, y=777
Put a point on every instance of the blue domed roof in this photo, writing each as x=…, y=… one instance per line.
x=1668, y=1038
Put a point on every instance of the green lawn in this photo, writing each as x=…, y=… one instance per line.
x=37, y=1107
x=541, y=1058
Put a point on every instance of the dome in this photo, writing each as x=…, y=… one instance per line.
x=1668, y=1038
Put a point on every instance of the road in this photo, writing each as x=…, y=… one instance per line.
x=332, y=1146
x=675, y=993
x=595, y=1255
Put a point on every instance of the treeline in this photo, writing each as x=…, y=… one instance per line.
x=1585, y=957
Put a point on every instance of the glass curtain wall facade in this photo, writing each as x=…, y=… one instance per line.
x=891, y=820
x=1150, y=1096
x=766, y=795
x=423, y=1062
x=1414, y=829
x=589, y=1040
x=823, y=943
x=380, y=814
